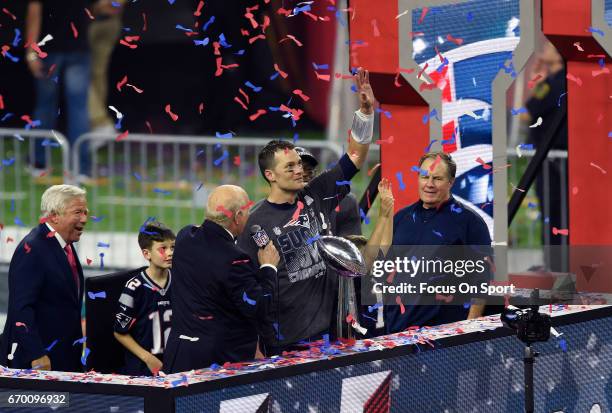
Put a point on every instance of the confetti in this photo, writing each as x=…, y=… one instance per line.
x=375, y=30
x=93, y=296
x=518, y=111
x=81, y=340
x=89, y=261
x=75, y=32
x=299, y=93
x=557, y=231
x=575, y=79
x=220, y=160
x=172, y=115
x=559, y=100
x=101, y=260
x=604, y=71
x=162, y=191
x=537, y=123
x=103, y=245
x=296, y=214
x=51, y=345
x=27, y=248
x=483, y=163
x=340, y=183
x=596, y=30
x=455, y=209
x=400, y=179
x=534, y=80
x=310, y=240
x=577, y=45
x=20, y=324
x=398, y=301
x=257, y=114
x=225, y=212
x=364, y=217
x=603, y=171
x=84, y=356
x=228, y=135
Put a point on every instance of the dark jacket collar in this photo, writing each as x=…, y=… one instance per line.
x=209, y=225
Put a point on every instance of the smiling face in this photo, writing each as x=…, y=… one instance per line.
x=71, y=222
x=287, y=173
x=434, y=188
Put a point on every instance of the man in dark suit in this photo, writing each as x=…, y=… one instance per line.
x=221, y=300
x=45, y=288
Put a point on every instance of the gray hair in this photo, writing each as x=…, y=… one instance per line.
x=55, y=199
x=218, y=214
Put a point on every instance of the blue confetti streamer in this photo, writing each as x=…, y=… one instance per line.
x=199, y=186
x=223, y=157
x=372, y=308
x=279, y=336
x=247, y=300
x=526, y=146
x=340, y=183
x=101, y=260
x=364, y=217
x=93, y=296
x=103, y=245
x=400, y=179
x=320, y=67
x=162, y=191
x=185, y=29
x=86, y=352
x=313, y=239
x=239, y=52
x=203, y=42
x=367, y=316
x=518, y=111
x=559, y=100
x=563, y=345
x=51, y=345
x=274, y=76
x=19, y=222
x=428, y=147
x=137, y=176
x=442, y=65
x=97, y=219
x=224, y=42
x=10, y=56
x=208, y=23
x=420, y=171
x=6, y=116
x=596, y=30
x=17, y=38
x=439, y=234
x=51, y=143
x=455, y=209
x=220, y=135
x=298, y=10
x=80, y=341
x=253, y=87
x=469, y=16
x=8, y=162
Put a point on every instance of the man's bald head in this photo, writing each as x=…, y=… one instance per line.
x=225, y=202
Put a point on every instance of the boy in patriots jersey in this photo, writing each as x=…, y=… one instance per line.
x=142, y=323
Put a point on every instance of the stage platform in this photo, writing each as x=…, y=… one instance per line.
x=466, y=366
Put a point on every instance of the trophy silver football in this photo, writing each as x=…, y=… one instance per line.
x=343, y=256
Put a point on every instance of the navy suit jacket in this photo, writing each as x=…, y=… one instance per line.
x=44, y=297
x=219, y=296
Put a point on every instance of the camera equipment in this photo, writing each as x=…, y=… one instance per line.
x=530, y=326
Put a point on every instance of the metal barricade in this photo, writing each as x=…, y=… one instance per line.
x=169, y=177
x=22, y=185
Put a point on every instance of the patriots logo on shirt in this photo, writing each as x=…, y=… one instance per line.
x=123, y=319
x=301, y=221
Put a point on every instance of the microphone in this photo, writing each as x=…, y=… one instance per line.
x=259, y=235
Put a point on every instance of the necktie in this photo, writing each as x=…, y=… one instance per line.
x=73, y=265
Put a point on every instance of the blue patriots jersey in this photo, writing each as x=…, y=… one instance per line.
x=145, y=313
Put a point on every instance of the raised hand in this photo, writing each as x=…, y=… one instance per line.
x=364, y=89
x=386, y=198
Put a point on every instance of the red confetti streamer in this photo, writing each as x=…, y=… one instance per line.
x=9, y=239
x=533, y=81
x=436, y=162
x=257, y=114
x=283, y=11
x=398, y=301
x=244, y=32
x=301, y=94
x=390, y=277
x=251, y=19
x=423, y=14
x=427, y=86
x=201, y=108
x=216, y=47
x=349, y=319
x=295, y=113
x=20, y=324
x=131, y=46
x=75, y=32
x=247, y=205
x=51, y=234
x=322, y=77
x=603, y=171
x=557, y=231
x=603, y=71
x=375, y=30
x=208, y=317
x=89, y=261
x=458, y=41
x=382, y=141
x=122, y=82
x=597, y=56
x=237, y=99
x=132, y=38
x=1, y=102
x=296, y=214
x=266, y=23
x=226, y=212
x=483, y=163
x=255, y=38
x=340, y=75
x=40, y=53
x=280, y=72
x=174, y=116
x=89, y=14
x=414, y=34
x=27, y=248
x=144, y=24
x=577, y=44
x=6, y=11
x=292, y=37
x=237, y=160
x=198, y=11
x=149, y=127
x=574, y=79
x=51, y=70
x=422, y=70
x=242, y=92
x=122, y=136
x=240, y=262
x=368, y=198
x=26, y=118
